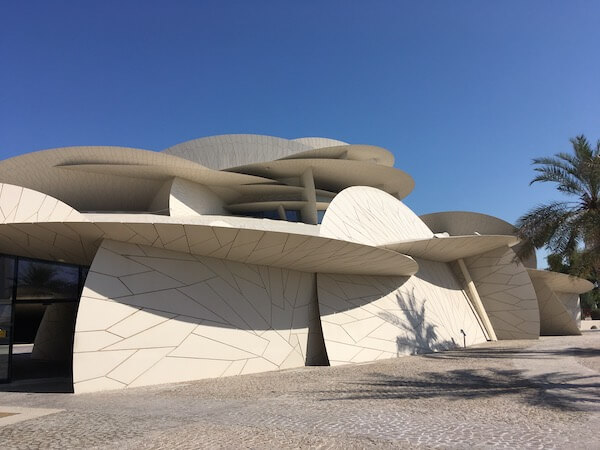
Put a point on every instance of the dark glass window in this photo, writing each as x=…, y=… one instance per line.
x=320, y=215
x=292, y=215
x=274, y=215
x=7, y=274
x=271, y=215
x=42, y=281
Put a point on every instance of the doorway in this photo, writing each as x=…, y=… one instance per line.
x=38, y=308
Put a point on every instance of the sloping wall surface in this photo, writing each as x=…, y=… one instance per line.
x=19, y=205
x=367, y=318
x=555, y=319
x=150, y=316
x=187, y=198
x=370, y=216
x=572, y=304
x=459, y=223
x=231, y=150
x=507, y=293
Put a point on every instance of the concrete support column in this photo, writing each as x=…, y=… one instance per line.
x=476, y=301
x=309, y=195
x=54, y=338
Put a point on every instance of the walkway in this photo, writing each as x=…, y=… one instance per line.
x=507, y=395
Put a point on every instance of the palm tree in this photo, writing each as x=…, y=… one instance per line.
x=569, y=228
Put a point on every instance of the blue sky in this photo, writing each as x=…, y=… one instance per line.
x=465, y=93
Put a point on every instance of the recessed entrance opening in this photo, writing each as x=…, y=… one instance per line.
x=38, y=307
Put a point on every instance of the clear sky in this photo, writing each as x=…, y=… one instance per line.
x=465, y=93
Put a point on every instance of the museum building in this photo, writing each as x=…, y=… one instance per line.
x=239, y=254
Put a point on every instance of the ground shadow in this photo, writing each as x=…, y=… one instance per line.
x=39, y=376
x=518, y=353
x=553, y=390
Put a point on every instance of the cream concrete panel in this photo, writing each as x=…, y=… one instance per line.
x=102, y=286
x=47, y=208
x=98, y=384
x=235, y=368
x=205, y=295
x=278, y=349
x=107, y=262
x=511, y=303
x=77, y=242
x=187, y=198
x=366, y=153
x=139, y=362
x=369, y=216
x=170, y=301
x=175, y=257
x=459, y=223
x=234, y=337
x=9, y=200
x=116, y=230
x=149, y=282
x=29, y=204
x=367, y=355
x=571, y=302
x=451, y=248
x=91, y=341
x=173, y=370
x=334, y=174
x=19, y=204
x=257, y=365
x=242, y=319
x=187, y=272
x=561, y=282
x=320, y=142
x=88, y=365
x=94, y=178
x=170, y=333
x=139, y=321
x=340, y=353
x=200, y=347
x=245, y=309
x=294, y=359
x=94, y=314
x=160, y=202
x=366, y=316
x=555, y=319
x=254, y=292
x=230, y=150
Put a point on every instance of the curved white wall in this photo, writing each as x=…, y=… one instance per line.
x=370, y=216
x=465, y=222
x=368, y=318
x=150, y=316
x=555, y=319
x=190, y=199
x=232, y=150
x=507, y=293
x=571, y=302
x=20, y=205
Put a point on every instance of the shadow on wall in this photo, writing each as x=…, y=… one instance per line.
x=419, y=336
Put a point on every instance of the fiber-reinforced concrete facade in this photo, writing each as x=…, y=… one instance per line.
x=237, y=254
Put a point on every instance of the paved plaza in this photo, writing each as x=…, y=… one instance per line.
x=509, y=394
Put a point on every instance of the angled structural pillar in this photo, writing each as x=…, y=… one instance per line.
x=476, y=301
